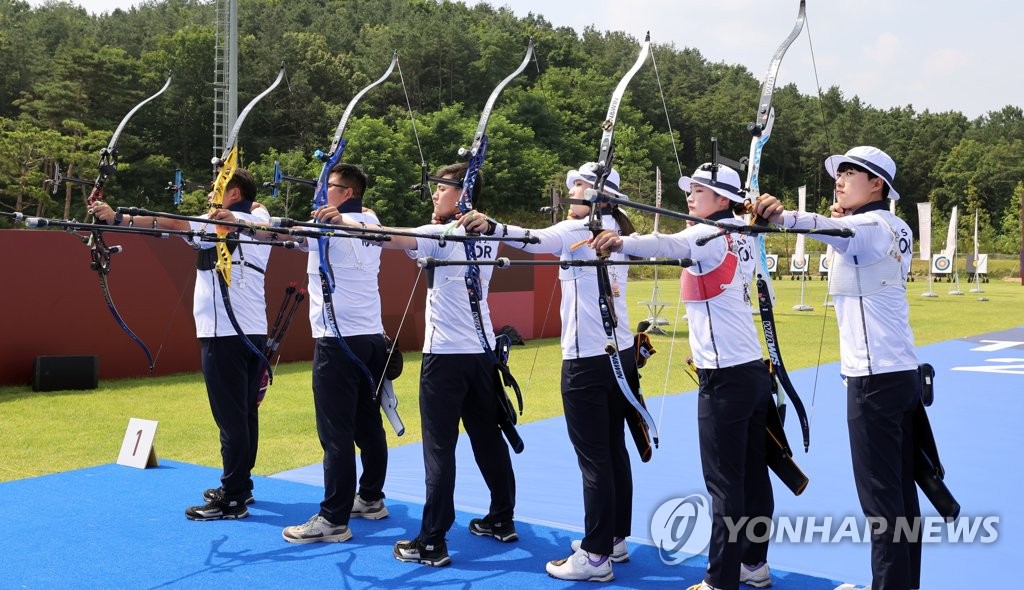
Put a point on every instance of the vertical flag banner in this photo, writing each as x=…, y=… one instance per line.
x=975, y=234
x=950, y=250
x=924, y=216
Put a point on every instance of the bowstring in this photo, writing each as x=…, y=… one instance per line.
x=828, y=283
x=412, y=292
x=405, y=314
x=679, y=167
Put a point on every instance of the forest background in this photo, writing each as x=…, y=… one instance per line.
x=70, y=76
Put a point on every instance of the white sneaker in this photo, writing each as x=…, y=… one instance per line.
x=371, y=510
x=853, y=587
x=579, y=567
x=702, y=586
x=620, y=553
x=760, y=577
x=317, y=529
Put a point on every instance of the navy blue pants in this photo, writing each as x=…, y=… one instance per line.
x=454, y=387
x=347, y=416
x=595, y=411
x=880, y=415
x=232, y=373
x=732, y=406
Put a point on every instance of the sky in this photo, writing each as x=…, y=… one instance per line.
x=937, y=55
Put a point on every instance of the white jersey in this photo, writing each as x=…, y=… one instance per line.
x=450, y=326
x=356, y=296
x=715, y=290
x=248, y=299
x=583, y=332
x=874, y=321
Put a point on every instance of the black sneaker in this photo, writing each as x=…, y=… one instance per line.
x=502, y=531
x=415, y=551
x=218, y=509
x=214, y=493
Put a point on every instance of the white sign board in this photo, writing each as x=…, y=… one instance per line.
x=137, y=448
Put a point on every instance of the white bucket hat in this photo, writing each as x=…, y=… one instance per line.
x=726, y=183
x=869, y=158
x=588, y=173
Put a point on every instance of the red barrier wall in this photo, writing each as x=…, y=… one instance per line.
x=52, y=303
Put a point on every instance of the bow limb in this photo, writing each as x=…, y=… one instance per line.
x=776, y=366
x=606, y=302
x=101, y=254
x=478, y=150
x=108, y=155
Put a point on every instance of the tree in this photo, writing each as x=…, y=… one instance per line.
x=26, y=157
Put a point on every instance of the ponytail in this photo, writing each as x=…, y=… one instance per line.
x=625, y=225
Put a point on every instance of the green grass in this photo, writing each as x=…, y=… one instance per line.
x=44, y=433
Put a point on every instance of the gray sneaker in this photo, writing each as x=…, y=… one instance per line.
x=370, y=510
x=317, y=530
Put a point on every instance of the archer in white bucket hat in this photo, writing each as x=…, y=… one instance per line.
x=726, y=182
x=867, y=283
x=870, y=159
x=588, y=173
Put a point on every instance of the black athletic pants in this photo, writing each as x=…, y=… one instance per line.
x=232, y=373
x=347, y=416
x=595, y=410
x=454, y=387
x=880, y=415
x=732, y=406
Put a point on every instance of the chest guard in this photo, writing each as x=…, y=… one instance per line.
x=700, y=285
x=206, y=258
x=854, y=279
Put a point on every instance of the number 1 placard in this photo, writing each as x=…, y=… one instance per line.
x=137, y=449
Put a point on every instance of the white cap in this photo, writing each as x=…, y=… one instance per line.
x=588, y=173
x=726, y=183
x=871, y=159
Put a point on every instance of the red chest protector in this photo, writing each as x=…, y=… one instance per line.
x=711, y=284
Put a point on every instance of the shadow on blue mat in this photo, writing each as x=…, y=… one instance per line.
x=118, y=527
x=976, y=416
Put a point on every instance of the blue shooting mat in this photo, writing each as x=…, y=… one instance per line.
x=112, y=526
